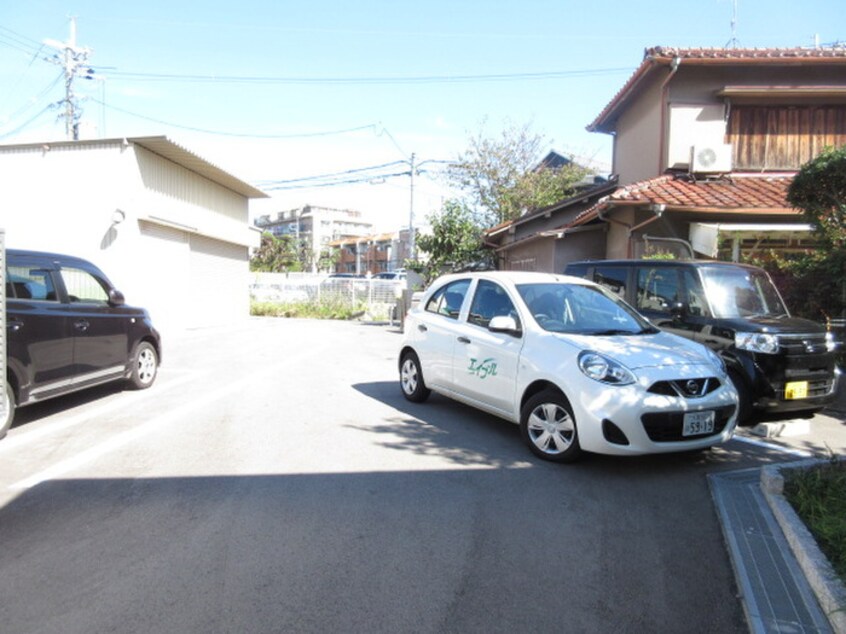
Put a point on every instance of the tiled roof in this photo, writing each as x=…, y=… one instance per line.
x=662, y=56
x=750, y=193
x=668, y=53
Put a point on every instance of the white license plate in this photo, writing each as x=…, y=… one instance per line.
x=696, y=423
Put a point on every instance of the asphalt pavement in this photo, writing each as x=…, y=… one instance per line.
x=275, y=480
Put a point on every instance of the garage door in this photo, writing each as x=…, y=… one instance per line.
x=163, y=259
x=218, y=281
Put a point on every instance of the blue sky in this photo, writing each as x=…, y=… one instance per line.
x=275, y=91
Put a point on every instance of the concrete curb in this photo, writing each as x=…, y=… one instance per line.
x=826, y=585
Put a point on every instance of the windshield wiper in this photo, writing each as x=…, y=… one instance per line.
x=613, y=331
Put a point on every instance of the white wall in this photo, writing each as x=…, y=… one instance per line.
x=67, y=198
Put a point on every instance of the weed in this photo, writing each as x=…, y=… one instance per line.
x=307, y=310
x=819, y=497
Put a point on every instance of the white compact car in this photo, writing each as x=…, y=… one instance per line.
x=573, y=364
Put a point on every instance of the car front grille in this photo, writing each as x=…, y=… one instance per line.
x=800, y=345
x=667, y=426
x=685, y=388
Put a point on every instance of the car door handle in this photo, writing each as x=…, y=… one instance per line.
x=14, y=325
x=82, y=325
x=463, y=340
x=422, y=328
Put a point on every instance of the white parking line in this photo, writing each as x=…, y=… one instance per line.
x=126, y=400
x=126, y=437
x=773, y=447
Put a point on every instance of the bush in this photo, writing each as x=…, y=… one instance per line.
x=307, y=310
x=819, y=497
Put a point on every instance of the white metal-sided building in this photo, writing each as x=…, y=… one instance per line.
x=170, y=229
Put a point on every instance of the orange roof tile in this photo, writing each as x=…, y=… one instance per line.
x=732, y=193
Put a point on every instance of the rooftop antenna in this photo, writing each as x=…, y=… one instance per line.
x=733, y=42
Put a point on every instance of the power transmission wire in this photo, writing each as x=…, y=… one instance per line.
x=349, y=181
x=19, y=42
x=346, y=177
x=299, y=135
x=341, y=173
x=422, y=79
x=34, y=100
x=29, y=121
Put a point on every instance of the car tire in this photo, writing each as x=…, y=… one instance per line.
x=549, y=428
x=744, y=398
x=7, y=414
x=145, y=366
x=411, y=379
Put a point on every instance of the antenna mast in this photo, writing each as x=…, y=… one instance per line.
x=733, y=42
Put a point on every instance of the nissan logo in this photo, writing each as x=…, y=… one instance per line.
x=692, y=387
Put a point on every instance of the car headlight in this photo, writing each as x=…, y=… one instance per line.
x=717, y=360
x=756, y=342
x=604, y=369
x=830, y=342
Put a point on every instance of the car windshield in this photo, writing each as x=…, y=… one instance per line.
x=581, y=309
x=740, y=292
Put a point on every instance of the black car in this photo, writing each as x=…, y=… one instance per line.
x=68, y=329
x=777, y=362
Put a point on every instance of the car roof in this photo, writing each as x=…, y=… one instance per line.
x=516, y=277
x=648, y=262
x=46, y=255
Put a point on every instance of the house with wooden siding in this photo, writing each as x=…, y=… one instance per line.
x=706, y=143
x=170, y=229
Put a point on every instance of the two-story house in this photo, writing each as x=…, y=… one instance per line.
x=706, y=143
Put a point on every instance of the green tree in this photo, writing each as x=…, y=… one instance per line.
x=814, y=283
x=454, y=244
x=276, y=255
x=502, y=179
x=327, y=259
x=819, y=190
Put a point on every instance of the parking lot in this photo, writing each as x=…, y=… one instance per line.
x=275, y=480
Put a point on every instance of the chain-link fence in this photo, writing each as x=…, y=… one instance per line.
x=375, y=299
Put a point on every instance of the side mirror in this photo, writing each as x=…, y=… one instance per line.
x=504, y=323
x=116, y=297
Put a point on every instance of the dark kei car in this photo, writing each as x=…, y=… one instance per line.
x=777, y=362
x=68, y=329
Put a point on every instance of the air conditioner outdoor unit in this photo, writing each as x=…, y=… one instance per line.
x=710, y=158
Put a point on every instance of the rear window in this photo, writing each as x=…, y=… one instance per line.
x=447, y=300
x=614, y=278
x=25, y=282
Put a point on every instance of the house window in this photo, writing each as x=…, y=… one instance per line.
x=783, y=137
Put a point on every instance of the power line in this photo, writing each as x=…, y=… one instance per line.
x=336, y=183
x=23, y=125
x=422, y=79
x=34, y=100
x=357, y=170
x=346, y=177
x=299, y=135
x=19, y=42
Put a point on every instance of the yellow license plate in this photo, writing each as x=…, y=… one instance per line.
x=795, y=389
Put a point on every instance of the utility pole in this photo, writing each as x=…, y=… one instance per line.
x=411, y=249
x=72, y=58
